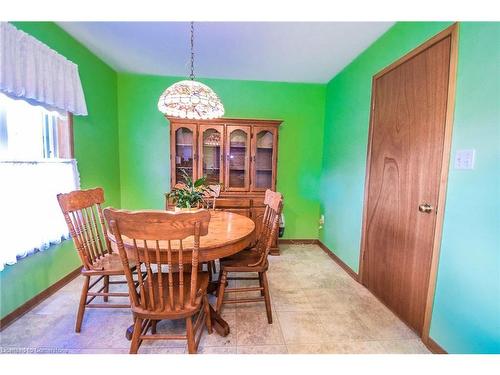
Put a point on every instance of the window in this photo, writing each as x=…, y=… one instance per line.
x=32, y=133
x=36, y=163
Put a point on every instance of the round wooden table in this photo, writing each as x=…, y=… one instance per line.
x=228, y=233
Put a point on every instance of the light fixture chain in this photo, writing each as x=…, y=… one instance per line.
x=191, y=76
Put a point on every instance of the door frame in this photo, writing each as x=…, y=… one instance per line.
x=452, y=32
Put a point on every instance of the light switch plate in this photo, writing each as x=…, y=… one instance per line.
x=464, y=159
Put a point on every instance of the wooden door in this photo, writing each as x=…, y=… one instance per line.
x=407, y=163
x=237, y=176
x=211, y=153
x=183, y=152
x=263, y=161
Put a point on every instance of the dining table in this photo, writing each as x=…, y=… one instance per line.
x=228, y=234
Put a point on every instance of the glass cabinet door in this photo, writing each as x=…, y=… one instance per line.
x=238, y=158
x=184, y=157
x=264, y=159
x=211, y=153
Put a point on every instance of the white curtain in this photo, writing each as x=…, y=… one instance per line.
x=30, y=217
x=32, y=71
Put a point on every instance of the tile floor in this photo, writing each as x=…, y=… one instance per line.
x=317, y=308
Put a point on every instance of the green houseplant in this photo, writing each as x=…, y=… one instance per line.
x=191, y=194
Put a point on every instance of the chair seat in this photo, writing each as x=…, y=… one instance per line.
x=178, y=311
x=244, y=262
x=110, y=264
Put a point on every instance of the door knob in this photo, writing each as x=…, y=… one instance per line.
x=426, y=208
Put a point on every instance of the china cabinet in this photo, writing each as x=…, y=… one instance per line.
x=239, y=154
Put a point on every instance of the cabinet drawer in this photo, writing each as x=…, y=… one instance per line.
x=258, y=202
x=232, y=202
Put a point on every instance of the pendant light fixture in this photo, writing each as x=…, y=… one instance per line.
x=189, y=98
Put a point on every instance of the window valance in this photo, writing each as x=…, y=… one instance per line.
x=32, y=71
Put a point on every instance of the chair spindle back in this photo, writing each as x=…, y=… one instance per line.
x=270, y=223
x=83, y=214
x=138, y=235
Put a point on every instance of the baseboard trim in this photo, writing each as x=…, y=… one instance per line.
x=31, y=303
x=337, y=260
x=297, y=241
x=434, y=347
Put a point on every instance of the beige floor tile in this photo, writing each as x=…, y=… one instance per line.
x=216, y=350
x=100, y=330
x=282, y=281
x=27, y=331
x=332, y=299
x=253, y=329
x=290, y=300
x=301, y=328
x=317, y=308
x=412, y=346
x=255, y=307
x=382, y=324
x=263, y=349
x=161, y=350
x=74, y=286
x=346, y=347
x=342, y=326
x=61, y=303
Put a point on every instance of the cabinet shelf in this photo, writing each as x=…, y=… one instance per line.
x=238, y=152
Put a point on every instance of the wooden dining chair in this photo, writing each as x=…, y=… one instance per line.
x=172, y=287
x=83, y=214
x=254, y=259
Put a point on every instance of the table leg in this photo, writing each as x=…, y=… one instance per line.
x=219, y=324
x=212, y=287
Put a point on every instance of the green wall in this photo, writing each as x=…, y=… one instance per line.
x=466, y=315
x=96, y=149
x=145, y=150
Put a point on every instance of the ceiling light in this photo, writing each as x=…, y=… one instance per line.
x=189, y=98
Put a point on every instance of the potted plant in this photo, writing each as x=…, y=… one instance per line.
x=191, y=194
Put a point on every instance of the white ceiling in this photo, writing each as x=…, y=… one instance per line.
x=267, y=51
